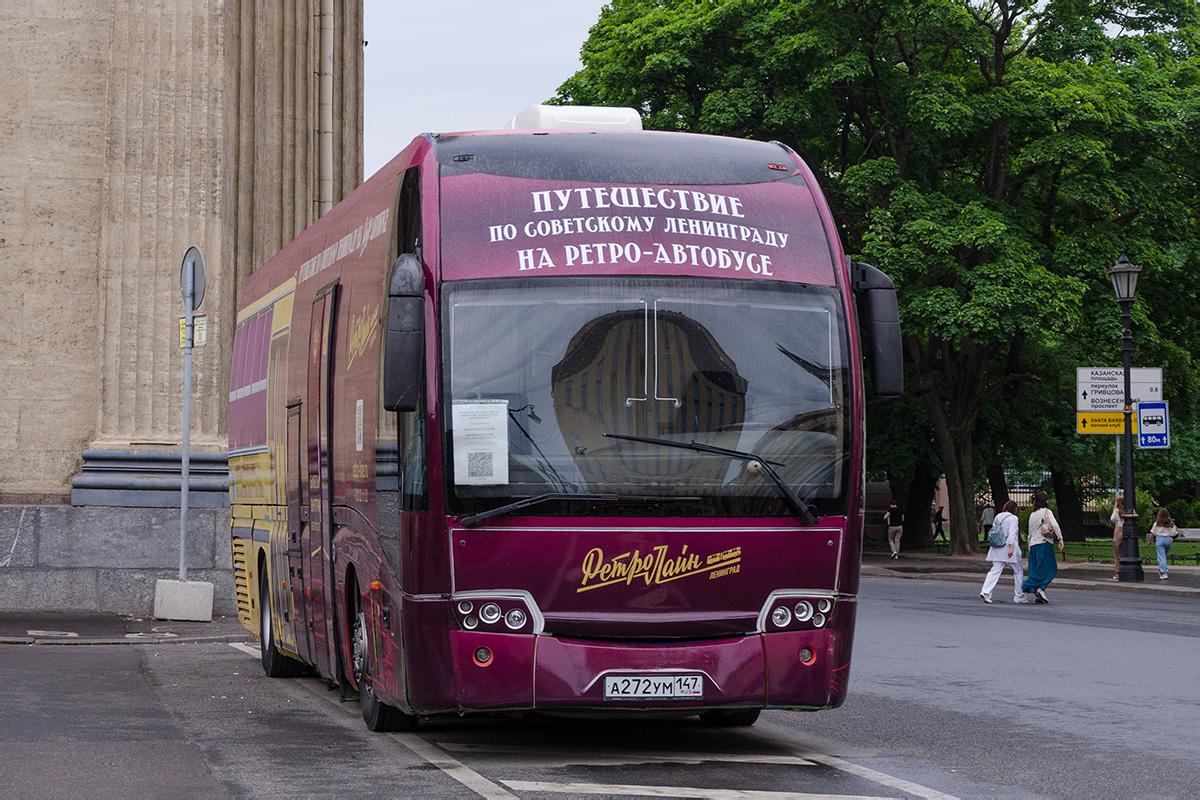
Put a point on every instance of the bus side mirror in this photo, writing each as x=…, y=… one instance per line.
x=879, y=320
x=404, y=339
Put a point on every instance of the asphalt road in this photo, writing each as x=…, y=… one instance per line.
x=1089, y=696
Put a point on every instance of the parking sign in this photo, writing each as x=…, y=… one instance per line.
x=1153, y=426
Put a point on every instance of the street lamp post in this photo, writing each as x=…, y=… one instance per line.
x=1124, y=280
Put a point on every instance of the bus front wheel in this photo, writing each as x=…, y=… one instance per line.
x=378, y=715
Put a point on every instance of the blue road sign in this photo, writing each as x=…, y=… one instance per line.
x=1153, y=425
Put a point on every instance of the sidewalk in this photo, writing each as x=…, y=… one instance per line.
x=1184, y=581
x=97, y=628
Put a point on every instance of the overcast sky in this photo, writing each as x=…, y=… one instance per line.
x=463, y=64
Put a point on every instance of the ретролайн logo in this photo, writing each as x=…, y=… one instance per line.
x=655, y=567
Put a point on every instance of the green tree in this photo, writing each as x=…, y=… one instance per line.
x=992, y=157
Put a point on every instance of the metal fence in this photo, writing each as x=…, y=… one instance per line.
x=1095, y=494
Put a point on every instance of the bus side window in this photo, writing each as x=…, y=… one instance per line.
x=410, y=425
x=400, y=452
x=408, y=218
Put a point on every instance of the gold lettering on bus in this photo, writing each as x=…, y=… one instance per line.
x=654, y=567
x=364, y=331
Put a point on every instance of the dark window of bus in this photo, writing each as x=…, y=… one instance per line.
x=539, y=373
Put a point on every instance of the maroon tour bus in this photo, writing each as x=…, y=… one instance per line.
x=565, y=420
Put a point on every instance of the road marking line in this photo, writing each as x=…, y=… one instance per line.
x=455, y=769
x=670, y=791
x=425, y=750
x=482, y=786
x=54, y=634
x=880, y=777
x=249, y=650
x=562, y=756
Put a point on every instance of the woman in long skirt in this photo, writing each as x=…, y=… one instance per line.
x=1043, y=533
x=1007, y=554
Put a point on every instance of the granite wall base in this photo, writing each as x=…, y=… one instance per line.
x=102, y=558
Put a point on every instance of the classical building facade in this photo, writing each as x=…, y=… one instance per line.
x=133, y=130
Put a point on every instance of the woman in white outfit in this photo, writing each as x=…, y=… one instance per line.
x=1008, y=554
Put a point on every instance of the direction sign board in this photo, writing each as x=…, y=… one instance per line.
x=1109, y=422
x=1103, y=388
x=1153, y=427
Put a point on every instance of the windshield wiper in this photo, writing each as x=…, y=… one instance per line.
x=785, y=489
x=474, y=519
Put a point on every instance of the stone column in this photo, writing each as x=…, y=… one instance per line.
x=162, y=192
x=210, y=134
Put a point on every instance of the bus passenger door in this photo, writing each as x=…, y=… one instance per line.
x=318, y=548
x=297, y=505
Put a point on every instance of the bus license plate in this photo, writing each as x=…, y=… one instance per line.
x=654, y=687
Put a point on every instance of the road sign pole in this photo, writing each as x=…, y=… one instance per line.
x=189, y=293
x=1130, y=569
x=182, y=599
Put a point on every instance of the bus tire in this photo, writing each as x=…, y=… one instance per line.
x=730, y=717
x=274, y=663
x=378, y=715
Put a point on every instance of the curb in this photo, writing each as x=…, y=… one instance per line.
x=129, y=638
x=59, y=629
x=924, y=573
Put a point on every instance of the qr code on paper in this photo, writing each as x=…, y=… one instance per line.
x=479, y=464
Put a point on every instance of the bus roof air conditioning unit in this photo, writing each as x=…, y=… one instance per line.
x=588, y=118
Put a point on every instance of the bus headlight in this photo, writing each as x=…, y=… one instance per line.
x=497, y=612
x=804, y=611
x=796, y=610
x=490, y=613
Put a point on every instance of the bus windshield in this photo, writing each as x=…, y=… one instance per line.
x=645, y=397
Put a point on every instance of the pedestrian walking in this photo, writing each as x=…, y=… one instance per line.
x=1043, y=533
x=986, y=519
x=1165, y=532
x=938, y=519
x=1006, y=555
x=1118, y=520
x=895, y=522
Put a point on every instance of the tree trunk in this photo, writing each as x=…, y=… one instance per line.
x=918, y=522
x=1070, y=510
x=953, y=422
x=999, y=486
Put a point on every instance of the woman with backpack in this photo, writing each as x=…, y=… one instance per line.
x=1043, y=533
x=1005, y=550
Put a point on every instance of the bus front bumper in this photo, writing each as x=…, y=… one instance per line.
x=794, y=669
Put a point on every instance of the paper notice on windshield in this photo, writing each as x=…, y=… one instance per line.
x=480, y=442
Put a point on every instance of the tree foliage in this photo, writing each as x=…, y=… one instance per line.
x=992, y=157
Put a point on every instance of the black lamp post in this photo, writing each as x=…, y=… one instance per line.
x=1124, y=280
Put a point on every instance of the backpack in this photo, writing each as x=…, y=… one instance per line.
x=996, y=535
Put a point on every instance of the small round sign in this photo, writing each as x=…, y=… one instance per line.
x=193, y=262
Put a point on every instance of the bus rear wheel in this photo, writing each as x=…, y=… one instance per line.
x=274, y=663
x=730, y=717
x=378, y=715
